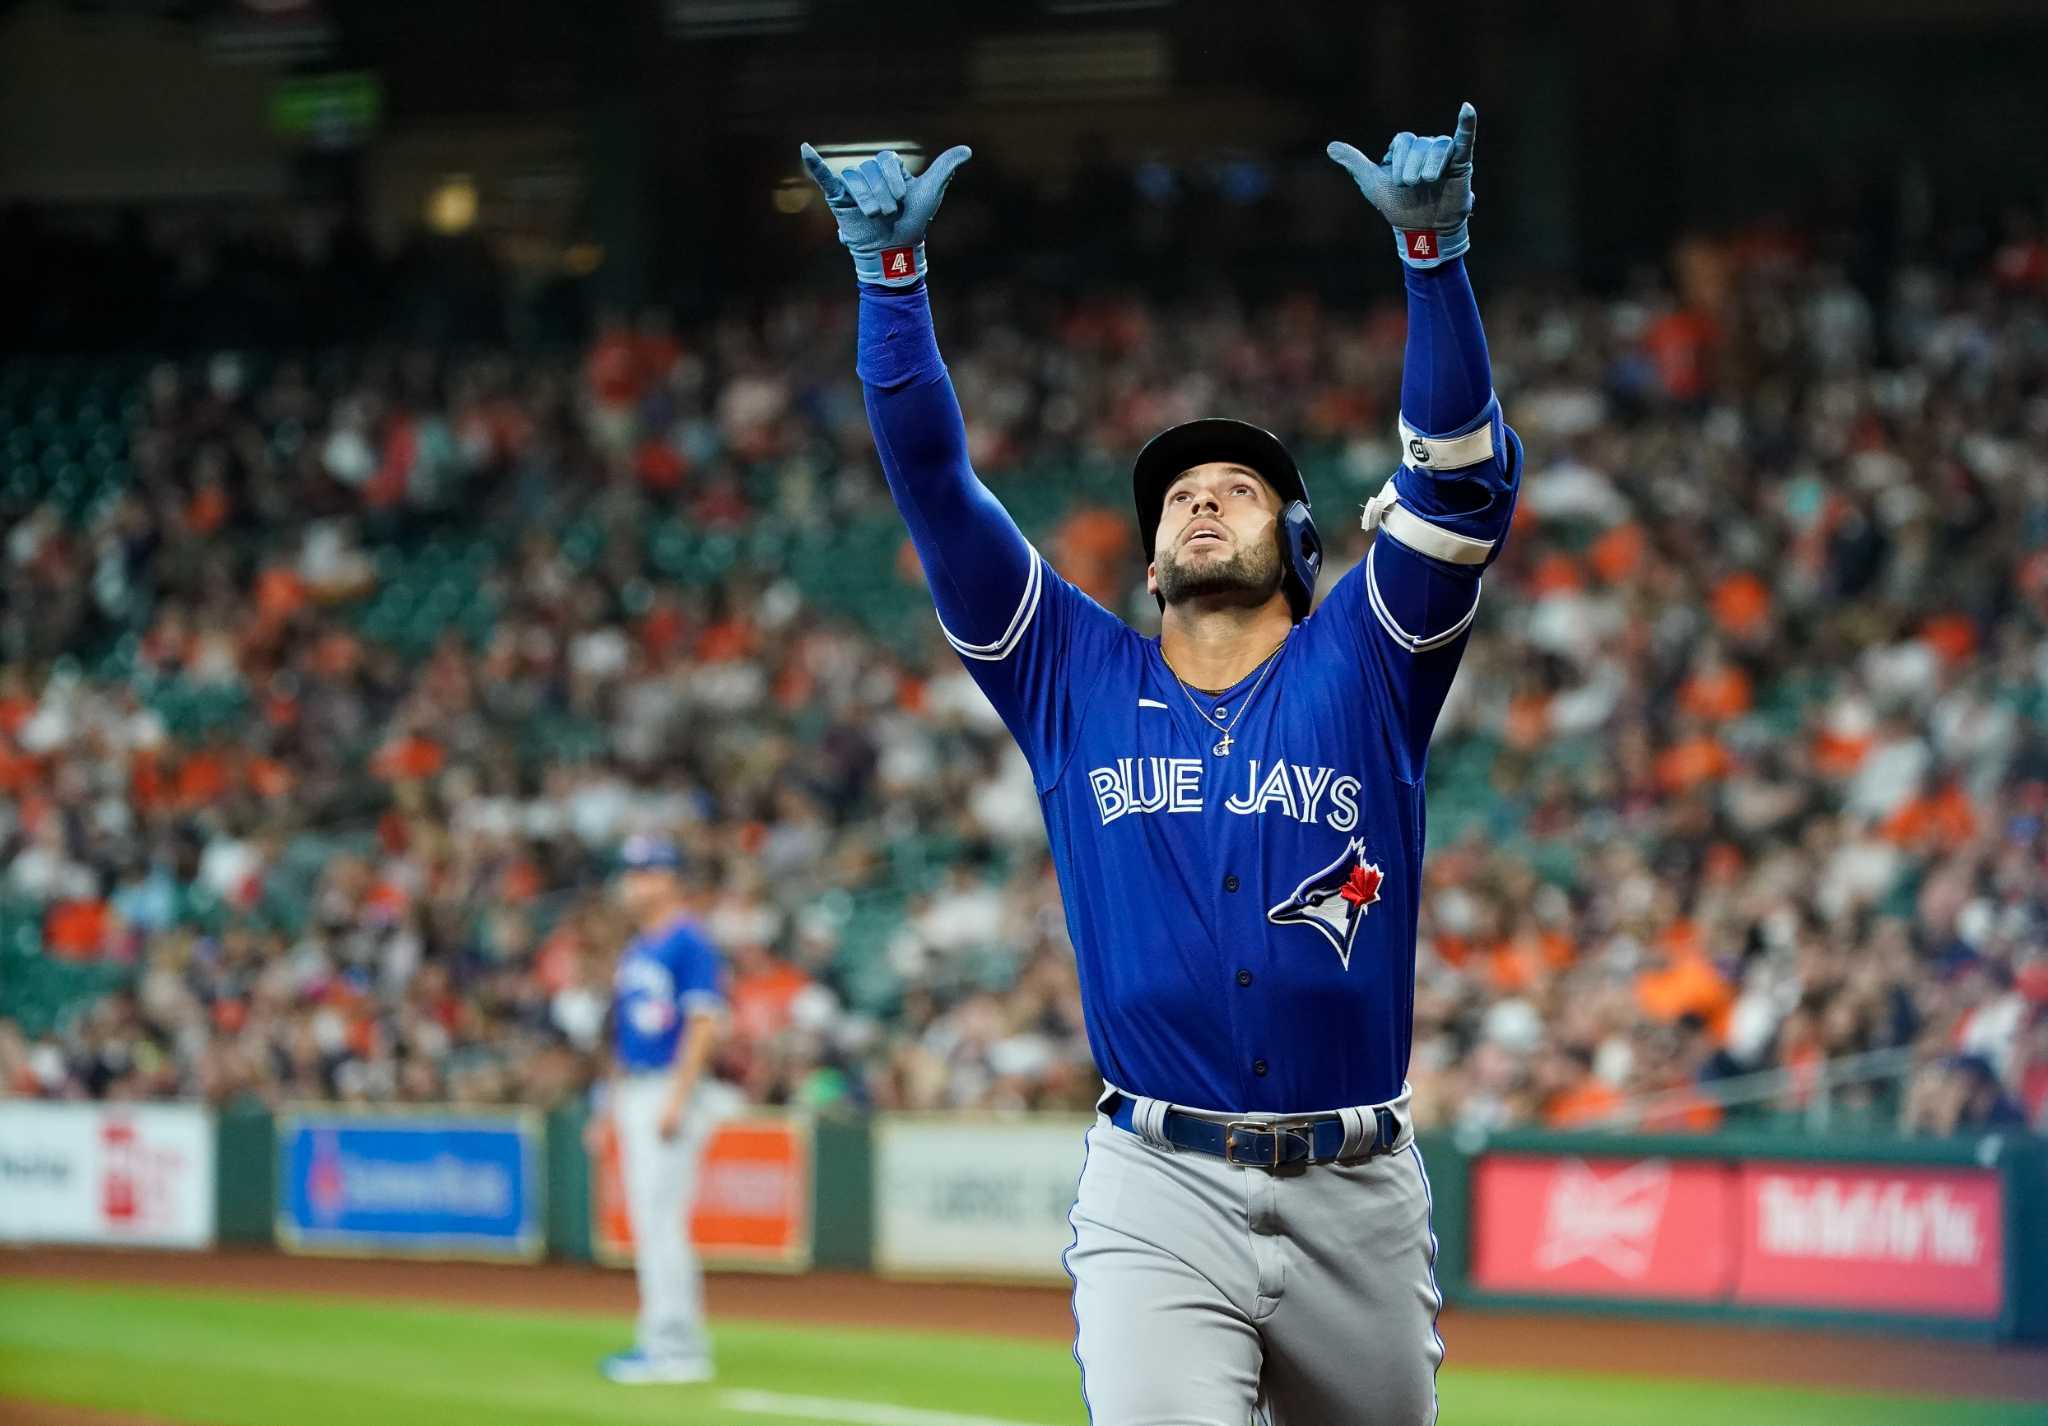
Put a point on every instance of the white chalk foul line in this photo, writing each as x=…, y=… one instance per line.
x=861, y=1413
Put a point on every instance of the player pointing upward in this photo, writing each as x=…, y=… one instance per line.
x=1235, y=810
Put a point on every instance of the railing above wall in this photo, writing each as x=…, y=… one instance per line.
x=1813, y=1089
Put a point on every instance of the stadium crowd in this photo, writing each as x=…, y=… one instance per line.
x=326, y=721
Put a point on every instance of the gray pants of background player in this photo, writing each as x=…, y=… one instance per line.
x=1205, y=1293
x=661, y=1179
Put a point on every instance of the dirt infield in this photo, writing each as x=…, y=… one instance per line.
x=16, y=1412
x=1774, y=1355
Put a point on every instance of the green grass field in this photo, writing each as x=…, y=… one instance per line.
x=232, y=1360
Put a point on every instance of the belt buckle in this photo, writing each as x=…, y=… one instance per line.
x=1278, y=1129
x=1250, y=1126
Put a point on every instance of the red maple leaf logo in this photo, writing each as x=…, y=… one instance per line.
x=1363, y=886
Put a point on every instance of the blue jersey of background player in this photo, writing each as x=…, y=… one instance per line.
x=663, y=975
x=1235, y=811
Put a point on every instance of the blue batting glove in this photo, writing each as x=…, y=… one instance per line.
x=1423, y=187
x=883, y=211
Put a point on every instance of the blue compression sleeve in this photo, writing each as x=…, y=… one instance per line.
x=1446, y=377
x=976, y=561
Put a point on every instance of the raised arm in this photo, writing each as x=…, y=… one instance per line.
x=1444, y=515
x=1022, y=630
x=978, y=564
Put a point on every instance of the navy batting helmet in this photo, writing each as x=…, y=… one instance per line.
x=1218, y=438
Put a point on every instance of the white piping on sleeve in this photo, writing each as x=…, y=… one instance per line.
x=1027, y=606
x=1415, y=644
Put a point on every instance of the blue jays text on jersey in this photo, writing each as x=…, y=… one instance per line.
x=661, y=977
x=1243, y=911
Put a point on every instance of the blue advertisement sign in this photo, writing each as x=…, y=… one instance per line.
x=426, y=1184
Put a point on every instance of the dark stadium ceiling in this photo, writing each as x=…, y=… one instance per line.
x=798, y=57
x=764, y=68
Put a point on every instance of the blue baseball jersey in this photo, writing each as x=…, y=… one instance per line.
x=1242, y=870
x=1244, y=921
x=660, y=979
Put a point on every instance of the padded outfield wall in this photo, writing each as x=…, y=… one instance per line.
x=1945, y=1237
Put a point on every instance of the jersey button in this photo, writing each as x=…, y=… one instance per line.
x=1259, y=1068
x=1230, y=882
x=1244, y=977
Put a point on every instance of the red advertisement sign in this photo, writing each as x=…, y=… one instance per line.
x=1601, y=1227
x=1872, y=1237
x=753, y=1201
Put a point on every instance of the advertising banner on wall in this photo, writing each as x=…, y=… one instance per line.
x=1600, y=1227
x=140, y=1174
x=1872, y=1237
x=979, y=1197
x=753, y=1199
x=427, y=1183
x=1826, y=1236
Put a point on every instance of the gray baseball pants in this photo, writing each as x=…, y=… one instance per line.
x=661, y=1181
x=1207, y=1294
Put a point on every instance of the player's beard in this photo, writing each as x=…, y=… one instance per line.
x=1248, y=578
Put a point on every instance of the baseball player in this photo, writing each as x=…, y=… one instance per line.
x=668, y=1005
x=1235, y=812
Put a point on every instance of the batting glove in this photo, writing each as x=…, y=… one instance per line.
x=1423, y=187
x=882, y=211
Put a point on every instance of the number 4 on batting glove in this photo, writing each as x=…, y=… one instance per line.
x=1423, y=187
x=882, y=211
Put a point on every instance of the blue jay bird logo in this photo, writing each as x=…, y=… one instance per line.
x=1334, y=900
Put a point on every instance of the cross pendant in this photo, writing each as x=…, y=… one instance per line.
x=1222, y=749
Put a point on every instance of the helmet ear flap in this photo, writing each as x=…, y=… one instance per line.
x=1303, y=549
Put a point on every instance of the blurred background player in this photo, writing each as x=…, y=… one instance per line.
x=668, y=1004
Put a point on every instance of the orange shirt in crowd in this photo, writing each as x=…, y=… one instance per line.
x=19, y=771
x=1742, y=604
x=208, y=509
x=1716, y=695
x=1093, y=549
x=521, y=881
x=761, y=999
x=407, y=760
x=725, y=640
x=77, y=930
x=280, y=593
x=1947, y=817
x=1687, y=985
x=1681, y=344
x=268, y=777
x=1528, y=720
x=1952, y=636
x=1617, y=553
x=1837, y=754
x=1514, y=964
x=1587, y=1102
x=1691, y=762
x=204, y=778
x=1555, y=573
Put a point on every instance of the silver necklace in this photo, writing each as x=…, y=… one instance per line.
x=1222, y=745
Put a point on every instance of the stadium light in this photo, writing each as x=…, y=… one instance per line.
x=451, y=207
